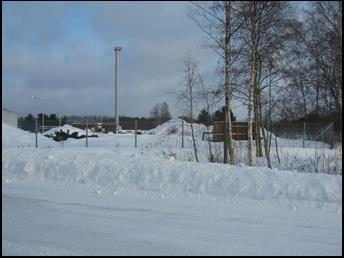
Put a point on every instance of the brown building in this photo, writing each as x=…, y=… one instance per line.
x=239, y=131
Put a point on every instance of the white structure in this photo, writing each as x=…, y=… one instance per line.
x=9, y=117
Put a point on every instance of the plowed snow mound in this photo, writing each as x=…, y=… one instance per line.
x=174, y=126
x=135, y=173
x=15, y=137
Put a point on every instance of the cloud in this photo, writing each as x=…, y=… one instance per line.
x=63, y=52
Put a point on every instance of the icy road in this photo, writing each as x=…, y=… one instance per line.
x=48, y=220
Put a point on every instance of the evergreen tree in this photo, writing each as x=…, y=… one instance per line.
x=29, y=117
x=219, y=115
x=204, y=118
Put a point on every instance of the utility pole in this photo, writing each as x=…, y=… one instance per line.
x=117, y=50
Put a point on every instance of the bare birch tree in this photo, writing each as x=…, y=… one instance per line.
x=205, y=95
x=186, y=93
x=252, y=91
x=228, y=74
x=219, y=23
x=263, y=35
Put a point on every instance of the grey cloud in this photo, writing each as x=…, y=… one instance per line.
x=76, y=74
x=29, y=23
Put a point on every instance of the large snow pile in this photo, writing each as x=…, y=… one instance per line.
x=15, y=137
x=117, y=172
x=67, y=129
x=135, y=170
x=50, y=194
x=174, y=126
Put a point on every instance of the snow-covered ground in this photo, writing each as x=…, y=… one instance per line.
x=114, y=199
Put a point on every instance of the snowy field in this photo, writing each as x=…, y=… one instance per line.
x=114, y=199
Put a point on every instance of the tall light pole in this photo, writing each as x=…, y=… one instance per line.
x=57, y=116
x=117, y=49
x=35, y=97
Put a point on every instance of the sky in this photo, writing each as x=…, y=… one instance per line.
x=63, y=53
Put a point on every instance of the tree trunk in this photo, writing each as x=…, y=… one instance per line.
x=252, y=88
x=267, y=144
x=257, y=103
x=194, y=141
x=267, y=138
x=191, y=120
x=259, y=126
x=205, y=94
x=276, y=146
x=228, y=143
x=250, y=118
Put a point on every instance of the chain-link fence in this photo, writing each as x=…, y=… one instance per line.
x=126, y=125
x=306, y=131
x=177, y=140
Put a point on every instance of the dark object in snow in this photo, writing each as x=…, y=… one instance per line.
x=62, y=136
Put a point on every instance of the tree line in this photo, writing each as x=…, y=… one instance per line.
x=54, y=120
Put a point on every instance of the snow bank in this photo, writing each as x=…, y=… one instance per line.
x=15, y=137
x=117, y=172
x=123, y=168
x=174, y=126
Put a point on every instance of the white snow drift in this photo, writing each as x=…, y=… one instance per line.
x=114, y=199
x=15, y=137
x=117, y=170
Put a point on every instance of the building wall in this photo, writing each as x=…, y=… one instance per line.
x=239, y=131
x=9, y=117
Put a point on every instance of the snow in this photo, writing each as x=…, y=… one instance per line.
x=66, y=221
x=15, y=137
x=114, y=199
x=67, y=129
x=137, y=172
x=174, y=126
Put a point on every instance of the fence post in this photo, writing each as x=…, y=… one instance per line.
x=182, y=133
x=86, y=133
x=36, y=132
x=135, y=133
x=304, y=134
